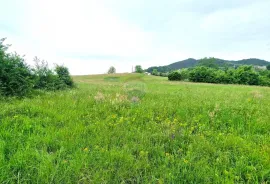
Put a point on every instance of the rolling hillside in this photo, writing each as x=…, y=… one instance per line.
x=188, y=63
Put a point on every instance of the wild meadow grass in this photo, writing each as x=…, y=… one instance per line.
x=132, y=128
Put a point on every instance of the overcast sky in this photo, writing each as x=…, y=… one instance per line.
x=89, y=36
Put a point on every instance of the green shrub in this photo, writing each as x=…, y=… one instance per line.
x=175, y=76
x=44, y=76
x=16, y=78
x=51, y=80
x=246, y=75
x=203, y=74
x=155, y=72
x=184, y=73
x=64, y=75
x=264, y=81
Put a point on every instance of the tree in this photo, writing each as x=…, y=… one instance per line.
x=64, y=75
x=16, y=78
x=111, y=70
x=155, y=72
x=203, y=74
x=246, y=75
x=268, y=67
x=138, y=69
x=175, y=76
x=208, y=62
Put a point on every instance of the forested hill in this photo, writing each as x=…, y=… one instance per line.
x=188, y=63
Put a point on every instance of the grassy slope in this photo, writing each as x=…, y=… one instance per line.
x=137, y=129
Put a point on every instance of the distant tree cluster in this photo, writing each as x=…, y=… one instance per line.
x=242, y=75
x=160, y=69
x=157, y=73
x=111, y=70
x=138, y=69
x=19, y=79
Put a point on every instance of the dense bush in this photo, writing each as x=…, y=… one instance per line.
x=64, y=75
x=175, y=76
x=184, y=73
x=155, y=72
x=18, y=79
x=44, y=76
x=203, y=74
x=242, y=75
x=48, y=79
x=246, y=75
x=138, y=69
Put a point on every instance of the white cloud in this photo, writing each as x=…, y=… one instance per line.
x=91, y=35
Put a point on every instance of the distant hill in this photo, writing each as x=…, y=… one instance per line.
x=189, y=63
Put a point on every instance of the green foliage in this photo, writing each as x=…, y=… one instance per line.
x=44, y=76
x=246, y=75
x=51, y=80
x=16, y=78
x=144, y=129
x=185, y=73
x=208, y=62
x=155, y=72
x=268, y=67
x=242, y=75
x=175, y=76
x=64, y=75
x=161, y=69
x=221, y=63
x=202, y=74
x=111, y=70
x=138, y=69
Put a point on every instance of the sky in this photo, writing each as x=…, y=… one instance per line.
x=89, y=36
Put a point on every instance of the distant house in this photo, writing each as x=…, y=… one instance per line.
x=147, y=73
x=260, y=67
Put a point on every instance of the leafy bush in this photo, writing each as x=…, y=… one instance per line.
x=203, y=74
x=16, y=78
x=184, y=73
x=175, y=76
x=64, y=76
x=246, y=75
x=242, y=75
x=155, y=72
x=44, y=77
x=264, y=81
x=138, y=69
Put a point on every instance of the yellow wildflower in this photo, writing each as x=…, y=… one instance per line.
x=186, y=161
x=85, y=149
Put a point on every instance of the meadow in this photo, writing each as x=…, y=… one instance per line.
x=133, y=128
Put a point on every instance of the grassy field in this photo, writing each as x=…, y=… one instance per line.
x=132, y=128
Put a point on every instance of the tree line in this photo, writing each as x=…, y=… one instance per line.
x=245, y=74
x=19, y=79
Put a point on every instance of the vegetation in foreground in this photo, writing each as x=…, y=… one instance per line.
x=18, y=79
x=137, y=129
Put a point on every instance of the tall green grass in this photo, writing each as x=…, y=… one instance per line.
x=137, y=129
